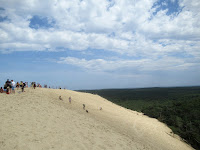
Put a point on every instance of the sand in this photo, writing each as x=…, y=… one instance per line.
x=38, y=120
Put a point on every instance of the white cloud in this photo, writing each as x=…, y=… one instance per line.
x=126, y=27
x=142, y=65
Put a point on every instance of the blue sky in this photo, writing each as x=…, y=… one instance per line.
x=80, y=44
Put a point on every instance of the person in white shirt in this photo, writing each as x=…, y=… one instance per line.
x=13, y=85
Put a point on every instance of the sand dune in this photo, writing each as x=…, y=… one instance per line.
x=38, y=120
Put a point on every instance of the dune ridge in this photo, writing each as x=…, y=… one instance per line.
x=37, y=119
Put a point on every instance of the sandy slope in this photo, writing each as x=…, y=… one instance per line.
x=38, y=120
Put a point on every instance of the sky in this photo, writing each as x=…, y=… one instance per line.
x=97, y=44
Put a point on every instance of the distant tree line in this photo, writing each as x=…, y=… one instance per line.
x=183, y=117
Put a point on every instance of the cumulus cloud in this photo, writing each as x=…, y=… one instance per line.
x=128, y=27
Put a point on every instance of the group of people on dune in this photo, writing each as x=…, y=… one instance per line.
x=9, y=86
x=33, y=84
x=70, y=100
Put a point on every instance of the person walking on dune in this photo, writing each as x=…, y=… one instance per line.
x=17, y=86
x=60, y=98
x=70, y=99
x=1, y=90
x=34, y=85
x=23, y=85
x=13, y=86
x=8, y=85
